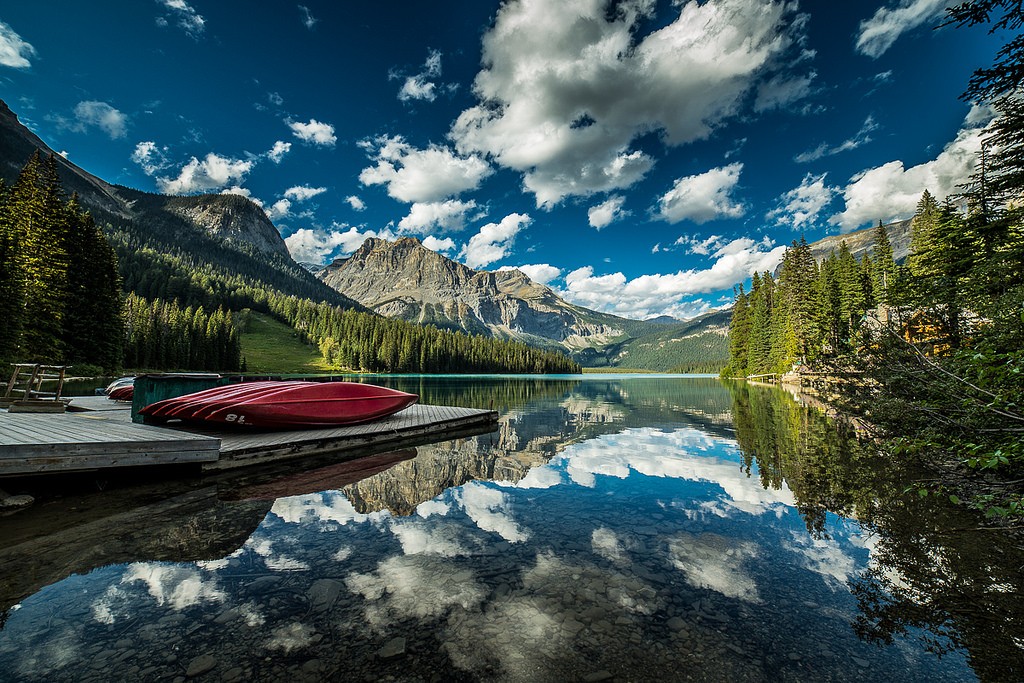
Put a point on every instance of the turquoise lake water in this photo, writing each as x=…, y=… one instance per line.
x=613, y=528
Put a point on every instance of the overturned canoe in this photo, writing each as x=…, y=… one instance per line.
x=122, y=389
x=283, y=404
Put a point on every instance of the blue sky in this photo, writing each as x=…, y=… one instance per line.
x=639, y=157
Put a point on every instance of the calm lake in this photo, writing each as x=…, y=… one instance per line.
x=614, y=528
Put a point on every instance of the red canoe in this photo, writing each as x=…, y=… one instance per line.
x=283, y=405
x=122, y=393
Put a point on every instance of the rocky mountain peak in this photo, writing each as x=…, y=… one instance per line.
x=232, y=217
x=404, y=279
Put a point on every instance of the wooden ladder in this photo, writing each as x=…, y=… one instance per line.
x=24, y=390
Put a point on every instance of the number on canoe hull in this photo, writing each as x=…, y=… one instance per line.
x=237, y=419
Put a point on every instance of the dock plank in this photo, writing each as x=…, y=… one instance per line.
x=33, y=443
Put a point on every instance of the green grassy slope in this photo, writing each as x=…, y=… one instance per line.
x=269, y=346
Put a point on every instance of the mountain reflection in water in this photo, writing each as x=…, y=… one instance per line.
x=636, y=528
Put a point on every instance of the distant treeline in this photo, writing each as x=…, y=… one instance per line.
x=363, y=341
x=347, y=336
x=201, y=274
x=61, y=298
x=162, y=335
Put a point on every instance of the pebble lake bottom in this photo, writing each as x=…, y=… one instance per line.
x=626, y=529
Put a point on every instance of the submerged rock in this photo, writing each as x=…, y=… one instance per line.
x=393, y=648
x=9, y=503
x=201, y=665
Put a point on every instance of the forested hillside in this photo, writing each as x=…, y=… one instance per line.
x=698, y=345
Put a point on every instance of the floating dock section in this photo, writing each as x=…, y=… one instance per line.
x=38, y=443
x=100, y=435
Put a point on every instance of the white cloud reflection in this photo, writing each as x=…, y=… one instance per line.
x=486, y=506
x=681, y=454
x=414, y=587
x=715, y=562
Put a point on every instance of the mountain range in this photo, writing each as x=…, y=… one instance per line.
x=403, y=279
x=231, y=237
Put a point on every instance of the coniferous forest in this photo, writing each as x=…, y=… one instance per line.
x=809, y=310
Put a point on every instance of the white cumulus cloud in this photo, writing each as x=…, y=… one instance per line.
x=315, y=246
x=891, y=191
x=314, y=132
x=150, y=156
x=14, y=52
x=301, y=193
x=800, y=207
x=356, y=203
x=279, y=209
x=607, y=212
x=703, y=197
x=494, y=241
x=877, y=34
x=421, y=175
x=651, y=295
x=568, y=87
x=435, y=244
x=212, y=173
x=448, y=215
x=542, y=273
x=277, y=152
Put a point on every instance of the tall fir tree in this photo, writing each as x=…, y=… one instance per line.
x=41, y=225
x=93, y=315
x=12, y=303
x=798, y=292
x=739, y=336
x=762, y=300
x=835, y=323
x=883, y=267
x=945, y=252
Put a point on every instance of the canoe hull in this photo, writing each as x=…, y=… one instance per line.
x=283, y=405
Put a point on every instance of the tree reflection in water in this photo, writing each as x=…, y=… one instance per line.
x=935, y=573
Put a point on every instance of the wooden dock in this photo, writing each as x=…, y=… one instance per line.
x=37, y=443
x=101, y=435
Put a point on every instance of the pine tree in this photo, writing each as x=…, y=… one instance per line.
x=835, y=323
x=739, y=336
x=945, y=252
x=93, y=323
x=853, y=298
x=40, y=223
x=799, y=294
x=12, y=303
x=883, y=267
x=762, y=299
